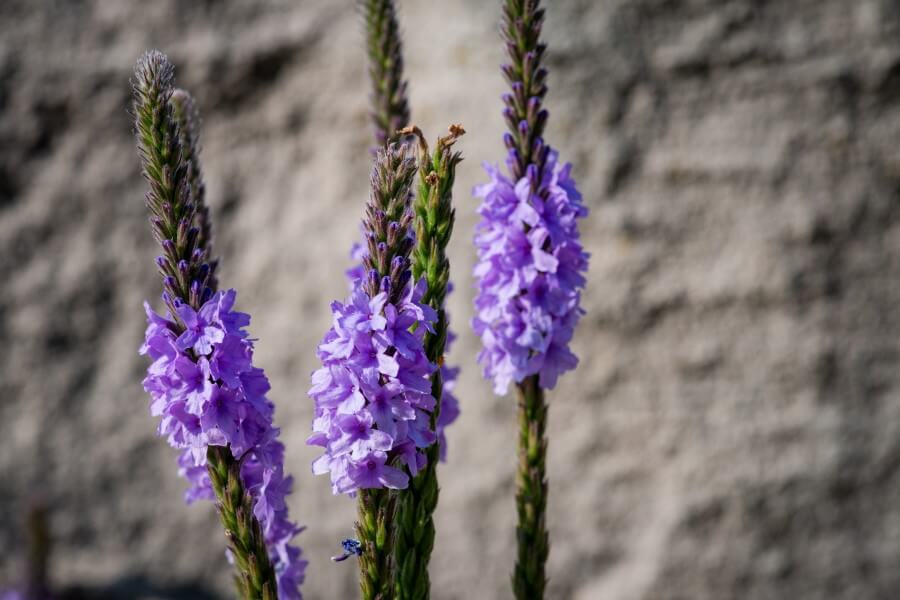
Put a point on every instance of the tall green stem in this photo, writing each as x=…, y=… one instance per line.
x=434, y=225
x=525, y=118
x=529, y=579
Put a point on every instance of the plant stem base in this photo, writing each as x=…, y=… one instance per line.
x=528, y=578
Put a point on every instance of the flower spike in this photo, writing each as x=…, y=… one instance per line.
x=530, y=275
x=203, y=386
x=373, y=392
x=434, y=222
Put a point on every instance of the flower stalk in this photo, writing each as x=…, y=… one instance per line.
x=187, y=119
x=373, y=393
x=255, y=576
x=523, y=113
x=414, y=505
x=533, y=543
x=530, y=276
x=435, y=217
x=202, y=383
x=389, y=246
x=184, y=264
x=39, y=546
x=521, y=29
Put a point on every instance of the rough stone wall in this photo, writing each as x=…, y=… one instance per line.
x=734, y=428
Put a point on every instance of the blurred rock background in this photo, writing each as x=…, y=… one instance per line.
x=733, y=430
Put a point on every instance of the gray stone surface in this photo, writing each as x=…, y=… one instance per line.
x=734, y=428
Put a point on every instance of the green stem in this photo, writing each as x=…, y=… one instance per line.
x=435, y=217
x=255, y=578
x=415, y=523
x=529, y=579
x=375, y=509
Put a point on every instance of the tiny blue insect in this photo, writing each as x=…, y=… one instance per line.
x=351, y=547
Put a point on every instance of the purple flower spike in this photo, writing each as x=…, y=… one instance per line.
x=530, y=274
x=531, y=264
x=398, y=331
x=210, y=399
x=368, y=393
x=373, y=392
x=219, y=399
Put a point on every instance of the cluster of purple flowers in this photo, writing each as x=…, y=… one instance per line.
x=206, y=391
x=449, y=403
x=373, y=392
x=530, y=274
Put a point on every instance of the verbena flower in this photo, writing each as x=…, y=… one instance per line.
x=357, y=271
x=206, y=392
x=390, y=113
x=530, y=273
x=372, y=393
x=449, y=409
x=210, y=399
